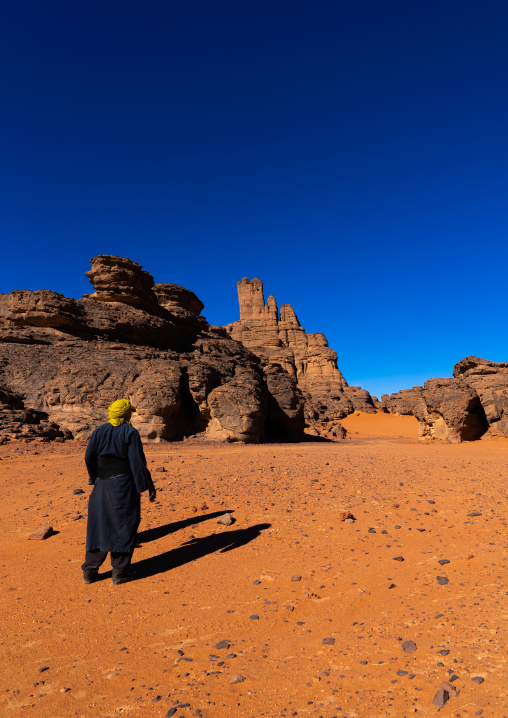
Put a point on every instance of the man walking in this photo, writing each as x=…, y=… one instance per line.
x=117, y=470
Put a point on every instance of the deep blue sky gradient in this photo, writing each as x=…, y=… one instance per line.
x=352, y=154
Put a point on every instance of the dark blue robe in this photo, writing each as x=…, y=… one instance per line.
x=114, y=507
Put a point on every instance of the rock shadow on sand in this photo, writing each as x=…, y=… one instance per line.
x=197, y=548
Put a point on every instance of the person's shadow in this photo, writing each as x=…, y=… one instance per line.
x=196, y=548
x=160, y=531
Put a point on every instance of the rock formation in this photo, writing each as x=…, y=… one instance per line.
x=62, y=361
x=307, y=358
x=472, y=405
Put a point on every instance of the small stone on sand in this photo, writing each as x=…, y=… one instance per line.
x=441, y=698
x=409, y=646
x=237, y=679
x=41, y=533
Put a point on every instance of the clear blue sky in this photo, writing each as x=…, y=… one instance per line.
x=352, y=154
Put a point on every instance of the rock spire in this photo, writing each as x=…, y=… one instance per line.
x=279, y=339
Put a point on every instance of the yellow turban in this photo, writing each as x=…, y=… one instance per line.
x=117, y=412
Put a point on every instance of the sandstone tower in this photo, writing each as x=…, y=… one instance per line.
x=279, y=339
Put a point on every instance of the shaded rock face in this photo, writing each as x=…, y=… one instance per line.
x=63, y=361
x=472, y=405
x=16, y=420
x=280, y=340
x=182, y=304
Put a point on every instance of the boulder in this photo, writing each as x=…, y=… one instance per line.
x=472, y=405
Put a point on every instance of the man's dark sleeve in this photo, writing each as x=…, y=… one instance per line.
x=91, y=460
x=136, y=456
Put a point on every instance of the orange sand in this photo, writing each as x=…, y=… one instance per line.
x=116, y=647
x=360, y=424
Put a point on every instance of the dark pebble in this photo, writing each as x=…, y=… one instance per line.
x=256, y=583
x=430, y=501
x=78, y=491
x=443, y=561
x=409, y=646
x=372, y=531
x=296, y=578
x=402, y=673
x=363, y=663
x=411, y=676
x=475, y=513
x=398, y=558
x=477, y=679
x=231, y=655
x=329, y=641
x=222, y=644
x=444, y=652
x=171, y=712
x=453, y=678
x=156, y=700
x=442, y=580
x=76, y=518
x=46, y=668
x=397, y=527
x=392, y=585
x=254, y=617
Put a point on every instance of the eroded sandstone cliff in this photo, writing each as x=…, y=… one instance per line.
x=62, y=361
x=280, y=340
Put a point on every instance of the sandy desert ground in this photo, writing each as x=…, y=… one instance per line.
x=313, y=613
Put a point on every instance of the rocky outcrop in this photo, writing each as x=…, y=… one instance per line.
x=490, y=381
x=472, y=405
x=62, y=361
x=280, y=340
x=116, y=279
x=178, y=299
